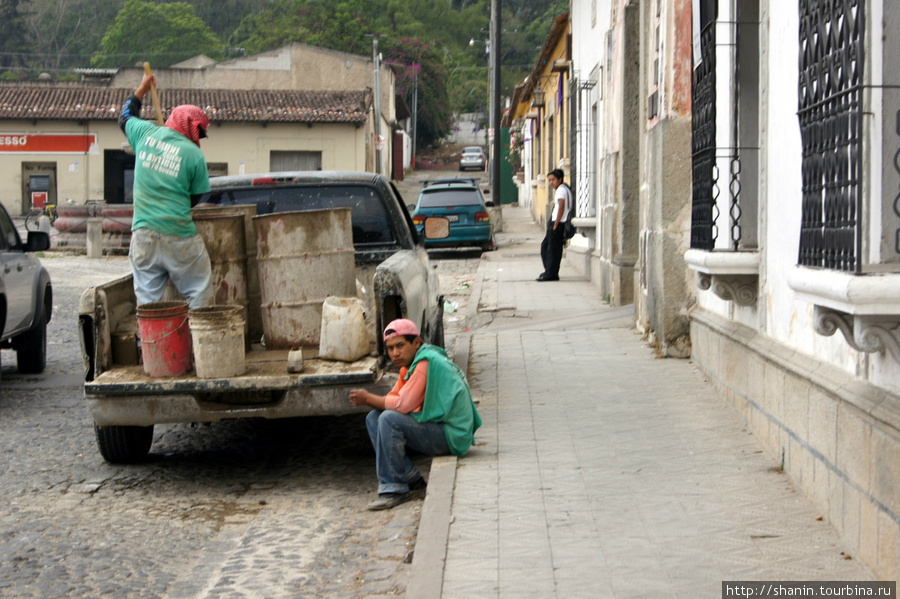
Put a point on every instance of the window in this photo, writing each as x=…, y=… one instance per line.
x=830, y=113
x=449, y=197
x=725, y=161
x=217, y=169
x=371, y=223
x=295, y=161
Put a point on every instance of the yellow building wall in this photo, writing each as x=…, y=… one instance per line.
x=244, y=147
x=553, y=137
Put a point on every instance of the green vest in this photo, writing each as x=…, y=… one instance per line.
x=448, y=399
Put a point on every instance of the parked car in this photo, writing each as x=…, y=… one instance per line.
x=26, y=296
x=463, y=205
x=472, y=157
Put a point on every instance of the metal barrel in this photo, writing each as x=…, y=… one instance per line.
x=303, y=258
x=247, y=211
x=223, y=235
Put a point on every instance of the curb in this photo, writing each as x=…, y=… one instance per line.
x=430, y=556
x=427, y=579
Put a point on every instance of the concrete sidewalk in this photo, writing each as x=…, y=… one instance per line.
x=601, y=470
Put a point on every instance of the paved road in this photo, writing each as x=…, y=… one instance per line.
x=231, y=509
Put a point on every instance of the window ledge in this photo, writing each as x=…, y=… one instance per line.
x=585, y=222
x=732, y=276
x=869, y=294
x=863, y=308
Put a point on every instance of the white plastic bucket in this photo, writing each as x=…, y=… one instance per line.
x=344, y=335
x=217, y=338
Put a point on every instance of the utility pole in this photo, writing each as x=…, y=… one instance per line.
x=495, y=98
x=379, y=141
x=415, y=108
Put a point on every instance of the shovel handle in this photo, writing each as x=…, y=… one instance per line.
x=159, y=119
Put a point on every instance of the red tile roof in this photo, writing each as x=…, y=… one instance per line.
x=75, y=103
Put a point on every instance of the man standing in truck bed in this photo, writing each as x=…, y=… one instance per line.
x=169, y=176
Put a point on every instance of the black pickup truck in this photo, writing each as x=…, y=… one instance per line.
x=395, y=278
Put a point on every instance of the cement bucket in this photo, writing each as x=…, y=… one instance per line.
x=217, y=338
x=247, y=211
x=303, y=258
x=225, y=242
x=165, y=338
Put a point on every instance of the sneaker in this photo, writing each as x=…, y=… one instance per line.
x=418, y=484
x=388, y=501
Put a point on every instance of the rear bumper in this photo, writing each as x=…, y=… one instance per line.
x=463, y=236
x=146, y=410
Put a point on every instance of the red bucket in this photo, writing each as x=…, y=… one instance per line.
x=165, y=338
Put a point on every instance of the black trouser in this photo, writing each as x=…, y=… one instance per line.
x=552, y=249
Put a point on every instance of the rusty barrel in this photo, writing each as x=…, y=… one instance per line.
x=247, y=211
x=223, y=235
x=303, y=258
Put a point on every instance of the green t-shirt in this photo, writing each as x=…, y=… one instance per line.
x=168, y=169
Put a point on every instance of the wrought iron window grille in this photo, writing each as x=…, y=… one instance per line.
x=830, y=114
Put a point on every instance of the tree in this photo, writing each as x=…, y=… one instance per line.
x=14, y=42
x=163, y=34
x=425, y=70
x=65, y=33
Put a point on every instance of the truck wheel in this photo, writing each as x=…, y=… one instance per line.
x=124, y=444
x=31, y=357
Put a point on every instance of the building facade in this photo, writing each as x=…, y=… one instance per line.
x=540, y=115
x=735, y=164
x=295, y=108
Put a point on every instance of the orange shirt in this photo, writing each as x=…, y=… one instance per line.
x=408, y=395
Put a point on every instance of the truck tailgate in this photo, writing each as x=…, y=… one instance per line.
x=265, y=370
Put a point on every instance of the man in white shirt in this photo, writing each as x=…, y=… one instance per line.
x=552, y=245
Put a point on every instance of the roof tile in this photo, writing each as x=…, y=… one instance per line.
x=49, y=103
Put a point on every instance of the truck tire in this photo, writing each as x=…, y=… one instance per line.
x=31, y=357
x=124, y=444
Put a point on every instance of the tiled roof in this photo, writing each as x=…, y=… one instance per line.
x=75, y=103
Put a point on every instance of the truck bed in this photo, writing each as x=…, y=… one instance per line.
x=266, y=369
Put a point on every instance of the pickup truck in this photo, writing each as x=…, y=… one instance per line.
x=394, y=278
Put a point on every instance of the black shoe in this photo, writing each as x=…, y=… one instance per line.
x=417, y=484
x=545, y=277
x=388, y=501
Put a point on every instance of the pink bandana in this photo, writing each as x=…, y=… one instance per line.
x=190, y=121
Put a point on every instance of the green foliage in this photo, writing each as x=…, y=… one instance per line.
x=428, y=37
x=13, y=39
x=162, y=34
x=425, y=71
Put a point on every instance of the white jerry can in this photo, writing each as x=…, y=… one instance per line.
x=344, y=335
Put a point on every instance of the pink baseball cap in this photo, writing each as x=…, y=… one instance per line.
x=401, y=326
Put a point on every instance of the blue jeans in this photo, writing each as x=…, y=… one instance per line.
x=391, y=433
x=155, y=258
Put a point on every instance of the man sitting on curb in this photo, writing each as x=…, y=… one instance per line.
x=429, y=410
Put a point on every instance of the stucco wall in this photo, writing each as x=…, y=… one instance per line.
x=81, y=176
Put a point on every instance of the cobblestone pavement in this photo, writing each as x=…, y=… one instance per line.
x=232, y=509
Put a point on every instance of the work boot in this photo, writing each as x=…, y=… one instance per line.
x=388, y=501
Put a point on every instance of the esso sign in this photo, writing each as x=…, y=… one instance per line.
x=13, y=140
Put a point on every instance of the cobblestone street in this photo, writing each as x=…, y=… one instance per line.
x=230, y=509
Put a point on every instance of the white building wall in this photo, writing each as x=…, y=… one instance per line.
x=590, y=23
x=828, y=411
